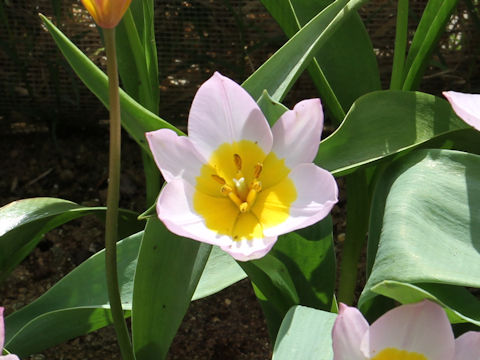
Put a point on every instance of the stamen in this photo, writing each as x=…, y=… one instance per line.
x=258, y=170
x=225, y=189
x=218, y=179
x=256, y=185
x=238, y=161
x=244, y=207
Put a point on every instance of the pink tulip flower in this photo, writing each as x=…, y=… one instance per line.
x=418, y=331
x=236, y=183
x=2, y=338
x=466, y=106
x=107, y=13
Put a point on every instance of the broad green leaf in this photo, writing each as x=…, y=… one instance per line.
x=135, y=118
x=424, y=230
x=271, y=109
x=431, y=27
x=23, y=224
x=384, y=123
x=305, y=334
x=80, y=297
x=220, y=272
x=346, y=78
x=279, y=73
x=460, y=305
x=168, y=271
x=299, y=270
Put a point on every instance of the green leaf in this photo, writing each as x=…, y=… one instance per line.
x=431, y=26
x=279, y=73
x=79, y=304
x=74, y=306
x=348, y=79
x=305, y=334
x=23, y=224
x=424, y=231
x=135, y=118
x=384, y=123
x=271, y=109
x=168, y=271
x=220, y=272
x=300, y=269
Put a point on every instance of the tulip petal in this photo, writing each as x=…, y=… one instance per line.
x=223, y=112
x=317, y=193
x=175, y=155
x=348, y=331
x=246, y=250
x=176, y=209
x=296, y=135
x=467, y=346
x=409, y=328
x=466, y=106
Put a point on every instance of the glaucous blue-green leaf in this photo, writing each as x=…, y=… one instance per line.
x=24, y=222
x=299, y=270
x=424, y=232
x=220, y=272
x=305, y=334
x=168, y=270
x=384, y=123
x=81, y=298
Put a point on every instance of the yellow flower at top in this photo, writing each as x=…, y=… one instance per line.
x=107, y=13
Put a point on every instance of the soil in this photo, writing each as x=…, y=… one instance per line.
x=72, y=165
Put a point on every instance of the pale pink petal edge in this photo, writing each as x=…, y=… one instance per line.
x=174, y=155
x=245, y=250
x=466, y=106
x=296, y=135
x=467, y=346
x=349, y=329
x=408, y=327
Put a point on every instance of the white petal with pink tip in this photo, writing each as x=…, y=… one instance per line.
x=347, y=334
x=175, y=155
x=467, y=106
x=296, y=135
x=223, y=112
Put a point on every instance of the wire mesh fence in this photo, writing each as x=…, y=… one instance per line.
x=194, y=39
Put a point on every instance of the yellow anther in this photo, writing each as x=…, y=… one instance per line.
x=258, y=170
x=225, y=189
x=256, y=185
x=243, y=207
x=218, y=179
x=238, y=161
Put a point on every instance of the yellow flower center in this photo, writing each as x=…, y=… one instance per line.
x=395, y=354
x=241, y=191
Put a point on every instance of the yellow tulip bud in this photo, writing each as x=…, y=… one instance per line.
x=107, y=13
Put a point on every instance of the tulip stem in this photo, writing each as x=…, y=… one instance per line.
x=357, y=225
x=113, y=195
